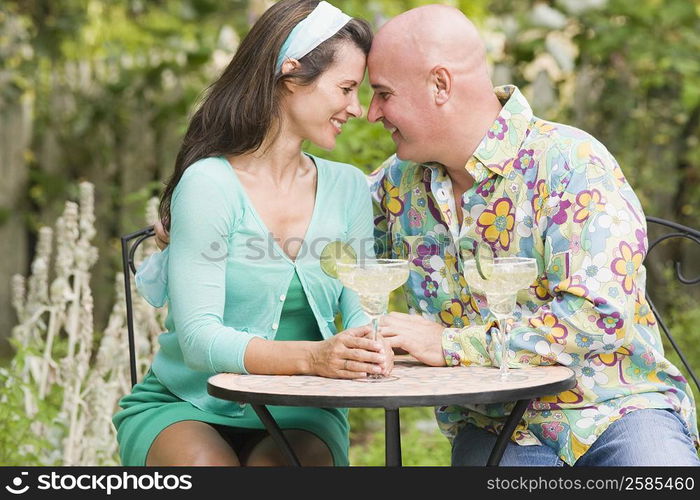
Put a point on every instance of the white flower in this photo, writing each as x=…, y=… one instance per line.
x=441, y=280
x=591, y=374
x=553, y=352
x=436, y=262
x=524, y=220
x=615, y=220
x=470, y=218
x=440, y=274
x=609, y=345
x=596, y=271
x=591, y=416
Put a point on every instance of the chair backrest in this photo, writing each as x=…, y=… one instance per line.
x=673, y=230
x=130, y=243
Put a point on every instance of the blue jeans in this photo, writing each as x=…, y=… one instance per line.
x=640, y=438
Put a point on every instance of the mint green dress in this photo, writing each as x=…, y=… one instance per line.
x=226, y=282
x=151, y=407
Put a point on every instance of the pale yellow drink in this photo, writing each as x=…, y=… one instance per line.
x=373, y=284
x=505, y=281
x=373, y=281
x=502, y=279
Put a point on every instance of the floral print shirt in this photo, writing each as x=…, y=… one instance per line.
x=554, y=193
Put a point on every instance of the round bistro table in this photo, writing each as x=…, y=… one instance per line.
x=417, y=385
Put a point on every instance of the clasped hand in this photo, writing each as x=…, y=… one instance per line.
x=414, y=334
x=353, y=354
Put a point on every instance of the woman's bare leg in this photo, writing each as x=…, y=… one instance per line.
x=310, y=450
x=190, y=442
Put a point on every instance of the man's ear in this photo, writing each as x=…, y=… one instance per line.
x=290, y=66
x=441, y=80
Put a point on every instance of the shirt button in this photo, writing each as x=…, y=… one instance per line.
x=275, y=326
x=282, y=297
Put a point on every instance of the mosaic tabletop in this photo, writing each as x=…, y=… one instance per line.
x=416, y=385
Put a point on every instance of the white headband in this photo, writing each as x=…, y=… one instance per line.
x=323, y=22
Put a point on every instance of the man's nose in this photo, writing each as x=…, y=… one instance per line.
x=374, y=113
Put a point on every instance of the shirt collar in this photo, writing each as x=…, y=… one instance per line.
x=499, y=147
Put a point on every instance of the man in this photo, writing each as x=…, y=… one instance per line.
x=474, y=165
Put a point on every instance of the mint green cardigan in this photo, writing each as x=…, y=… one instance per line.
x=226, y=278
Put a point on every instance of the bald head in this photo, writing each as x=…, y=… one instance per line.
x=431, y=84
x=432, y=35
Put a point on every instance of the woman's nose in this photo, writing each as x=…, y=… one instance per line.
x=354, y=108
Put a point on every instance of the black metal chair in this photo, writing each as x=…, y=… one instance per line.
x=673, y=230
x=128, y=251
x=130, y=244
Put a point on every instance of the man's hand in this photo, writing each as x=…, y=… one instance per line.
x=420, y=337
x=162, y=235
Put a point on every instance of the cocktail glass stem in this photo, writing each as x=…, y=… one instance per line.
x=375, y=336
x=375, y=327
x=503, y=326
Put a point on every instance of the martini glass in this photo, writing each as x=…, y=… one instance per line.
x=373, y=281
x=500, y=279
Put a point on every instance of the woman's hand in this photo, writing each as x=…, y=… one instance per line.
x=350, y=354
x=162, y=235
x=388, y=365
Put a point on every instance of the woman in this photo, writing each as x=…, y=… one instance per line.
x=245, y=295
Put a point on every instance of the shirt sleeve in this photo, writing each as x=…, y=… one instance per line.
x=152, y=278
x=360, y=237
x=201, y=216
x=382, y=235
x=592, y=286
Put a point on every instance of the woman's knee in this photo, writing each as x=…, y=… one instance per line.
x=309, y=449
x=191, y=443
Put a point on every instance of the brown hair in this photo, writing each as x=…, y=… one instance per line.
x=240, y=107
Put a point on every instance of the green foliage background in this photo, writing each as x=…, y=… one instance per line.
x=106, y=87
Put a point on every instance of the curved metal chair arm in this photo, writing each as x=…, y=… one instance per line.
x=128, y=251
x=683, y=232
x=679, y=231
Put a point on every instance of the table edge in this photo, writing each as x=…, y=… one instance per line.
x=393, y=402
